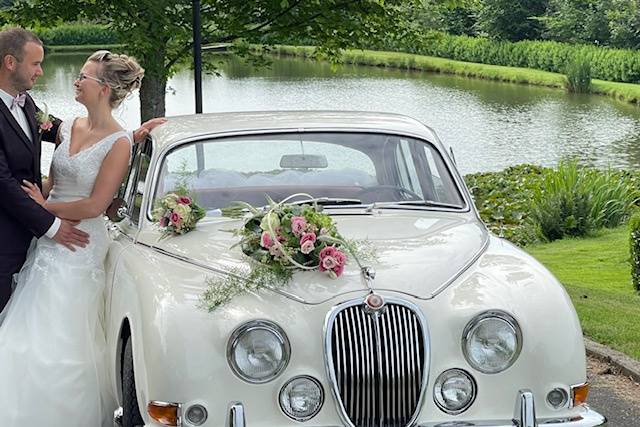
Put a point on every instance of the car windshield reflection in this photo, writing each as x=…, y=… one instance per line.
x=337, y=168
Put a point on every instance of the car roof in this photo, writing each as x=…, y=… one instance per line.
x=180, y=128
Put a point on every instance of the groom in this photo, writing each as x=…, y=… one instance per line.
x=21, y=218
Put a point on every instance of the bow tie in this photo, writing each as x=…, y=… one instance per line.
x=18, y=100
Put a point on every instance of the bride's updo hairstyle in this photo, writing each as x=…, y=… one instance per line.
x=121, y=73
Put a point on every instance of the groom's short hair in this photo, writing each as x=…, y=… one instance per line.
x=13, y=40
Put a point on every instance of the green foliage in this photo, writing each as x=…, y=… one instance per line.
x=624, y=23
x=511, y=19
x=617, y=65
x=159, y=32
x=568, y=201
x=575, y=200
x=578, y=21
x=504, y=198
x=634, y=248
x=77, y=34
x=579, y=76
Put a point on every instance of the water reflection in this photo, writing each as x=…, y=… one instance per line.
x=489, y=125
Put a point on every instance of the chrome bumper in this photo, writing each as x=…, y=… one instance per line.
x=524, y=416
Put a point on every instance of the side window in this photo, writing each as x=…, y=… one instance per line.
x=137, y=178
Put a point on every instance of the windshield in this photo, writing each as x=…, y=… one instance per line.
x=364, y=168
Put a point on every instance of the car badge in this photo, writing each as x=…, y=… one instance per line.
x=374, y=304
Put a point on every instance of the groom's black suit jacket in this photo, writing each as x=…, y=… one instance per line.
x=20, y=217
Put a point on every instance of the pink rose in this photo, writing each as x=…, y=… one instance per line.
x=328, y=263
x=46, y=126
x=298, y=224
x=308, y=237
x=266, y=241
x=332, y=261
x=307, y=247
x=276, y=251
x=324, y=231
x=175, y=218
x=184, y=200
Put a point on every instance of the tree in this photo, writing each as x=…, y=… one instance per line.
x=512, y=19
x=624, y=24
x=578, y=21
x=159, y=32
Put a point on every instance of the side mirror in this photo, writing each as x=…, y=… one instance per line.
x=117, y=210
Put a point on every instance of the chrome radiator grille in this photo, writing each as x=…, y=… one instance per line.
x=378, y=363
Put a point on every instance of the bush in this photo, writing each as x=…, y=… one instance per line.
x=503, y=200
x=620, y=65
x=575, y=200
x=578, y=76
x=634, y=247
x=77, y=35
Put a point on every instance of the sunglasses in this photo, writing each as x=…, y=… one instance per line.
x=83, y=76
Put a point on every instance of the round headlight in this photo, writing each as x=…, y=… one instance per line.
x=492, y=341
x=301, y=398
x=258, y=351
x=454, y=391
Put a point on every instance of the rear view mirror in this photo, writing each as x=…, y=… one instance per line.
x=303, y=161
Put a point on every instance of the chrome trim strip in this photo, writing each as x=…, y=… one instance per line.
x=236, y=415
x=335, y=383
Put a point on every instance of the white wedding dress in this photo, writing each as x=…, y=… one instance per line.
x=52, y=342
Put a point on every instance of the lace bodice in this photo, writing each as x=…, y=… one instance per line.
x=75, y=175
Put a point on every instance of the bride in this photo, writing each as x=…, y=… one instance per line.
x=52, y=370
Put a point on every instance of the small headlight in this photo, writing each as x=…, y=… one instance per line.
x=301, y=398
x=258, y=351
x=492, y=341
x=558, y=398
x=454, y=391
x=196, y=415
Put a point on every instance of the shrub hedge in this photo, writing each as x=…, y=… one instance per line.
x=620, y=65
x=634, y=247
x=77, y=34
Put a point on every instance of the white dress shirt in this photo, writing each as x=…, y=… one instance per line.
x=21, y=118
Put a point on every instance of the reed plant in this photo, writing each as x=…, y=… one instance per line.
x=578, y=74
x=575, y=200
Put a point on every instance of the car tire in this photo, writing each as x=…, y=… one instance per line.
x=130, y=412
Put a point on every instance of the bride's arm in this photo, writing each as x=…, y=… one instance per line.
x=112, y=171
x=47, y=184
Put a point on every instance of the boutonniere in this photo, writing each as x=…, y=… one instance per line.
x=44, y=120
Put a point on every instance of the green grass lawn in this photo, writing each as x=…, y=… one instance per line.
x=597, y=275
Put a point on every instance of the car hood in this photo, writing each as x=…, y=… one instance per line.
x=416, y=254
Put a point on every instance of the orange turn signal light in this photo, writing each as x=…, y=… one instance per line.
x=579, y=394
x=167, y=414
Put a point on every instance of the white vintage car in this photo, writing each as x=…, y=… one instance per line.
x=451, y=326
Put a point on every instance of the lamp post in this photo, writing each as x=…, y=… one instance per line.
x=197, y=55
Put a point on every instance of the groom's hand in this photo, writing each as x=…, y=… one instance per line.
x=70, y=236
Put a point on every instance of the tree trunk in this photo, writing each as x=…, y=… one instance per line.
x=152, y=94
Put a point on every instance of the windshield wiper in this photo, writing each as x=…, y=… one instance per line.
x=328, y=201
x=418, y=203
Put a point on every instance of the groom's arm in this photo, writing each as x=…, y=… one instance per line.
x=16, y=204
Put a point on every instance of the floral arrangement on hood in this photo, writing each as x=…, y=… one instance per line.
x=278, y=240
